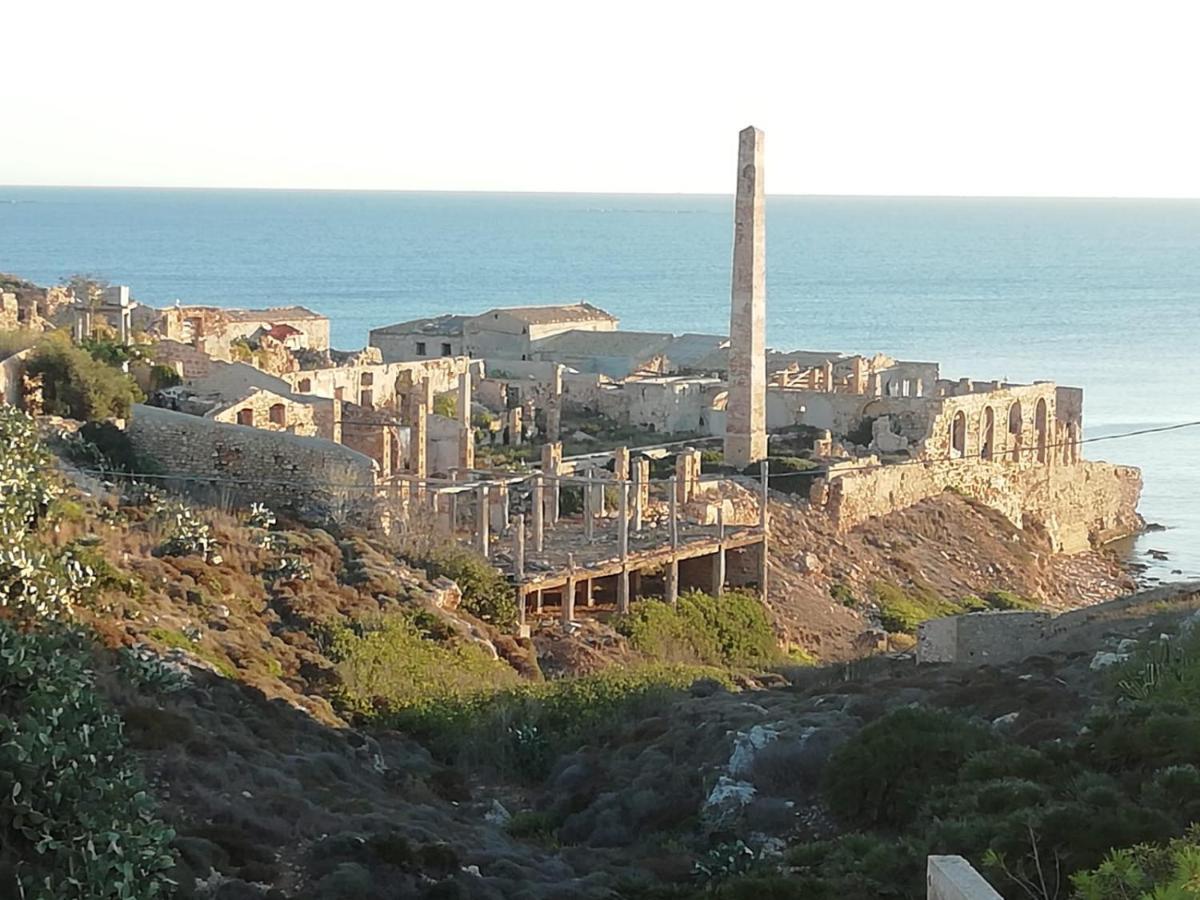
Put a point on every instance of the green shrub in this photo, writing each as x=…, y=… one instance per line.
x=163, y=377
x=732, y=630
x=881, y=775
x=75, y=817
x=1145, y=871
x=393, y=664
x=76, y=385
x=903, y=611
x=445, y=405
x=485, y=592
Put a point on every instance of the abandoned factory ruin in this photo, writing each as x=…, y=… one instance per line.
x=592, y=465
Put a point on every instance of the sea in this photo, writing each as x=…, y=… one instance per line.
x=1102, y=294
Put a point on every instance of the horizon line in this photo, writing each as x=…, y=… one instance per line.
x=583, y=193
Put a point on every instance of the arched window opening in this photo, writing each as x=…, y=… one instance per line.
x=958, y=435
x=278, y=414
x=987, y=434
x=245, y=416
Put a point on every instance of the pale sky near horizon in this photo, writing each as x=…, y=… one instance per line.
x=1057, y=98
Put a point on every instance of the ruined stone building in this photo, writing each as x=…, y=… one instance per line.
x=500, y=333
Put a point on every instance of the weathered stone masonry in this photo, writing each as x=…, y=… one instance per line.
x=282, y=470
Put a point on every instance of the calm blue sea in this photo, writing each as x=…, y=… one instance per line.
x=1099, y=293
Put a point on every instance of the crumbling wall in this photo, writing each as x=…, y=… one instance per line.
x=12, y=370
x=375, y=385
x=1077, y=506
x=305, y=475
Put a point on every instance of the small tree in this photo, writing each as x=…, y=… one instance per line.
x=76, y=385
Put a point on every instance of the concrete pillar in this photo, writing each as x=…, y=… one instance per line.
x=425, y=394
x=481, y=520
x=829, y=377
x=764, y=522
x=718, y=576
x=466, y=448
x=551, y=468
x=521, y=599
x=746, y=415
x=568, y=596
x=673, y=516
x=498, y=508
x=875, y=386
x=687, y=474
x=417, y=437
x=641, y=475
x=672, y=591
x=554, y=405
x=589, y=499
x=126, y=324
x=539, y=500
x=464, y=399
x=515, y=427
x=621, y=464
x=623, y=548
x=519, y=549
x=589, y=592
x=538, y=600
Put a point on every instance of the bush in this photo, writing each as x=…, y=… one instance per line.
x=77, y=386
x=732, y=630
x=485, y=592
x=393, y=664
x=1145, y=871
x=881, y=776
x=75, y=817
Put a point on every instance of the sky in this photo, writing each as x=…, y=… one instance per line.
x=1048, y=98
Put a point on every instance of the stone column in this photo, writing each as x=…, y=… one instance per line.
x=828, y=377
x=623, y=548
x=746, y=415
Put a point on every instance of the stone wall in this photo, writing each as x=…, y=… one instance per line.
x=979, y=638
x=194, y=363
x=307, y=476
x=1077, y=505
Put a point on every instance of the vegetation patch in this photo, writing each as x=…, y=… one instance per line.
x=75, y=818
x=903, y=609
x=486, y=594
x=733, y=630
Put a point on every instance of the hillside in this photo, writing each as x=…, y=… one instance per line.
x=316, y=713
